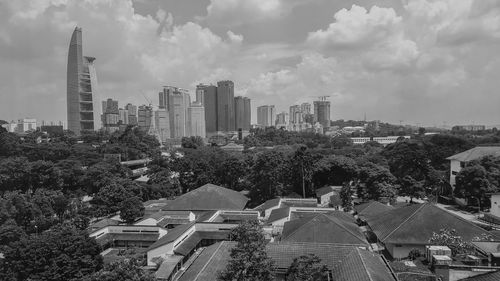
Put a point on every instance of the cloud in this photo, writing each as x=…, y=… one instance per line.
x=376, y=34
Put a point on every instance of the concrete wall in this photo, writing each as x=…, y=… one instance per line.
x=399, y=251
x=454, y=169
x=495, y=205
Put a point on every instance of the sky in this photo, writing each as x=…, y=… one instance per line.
x=420, y=62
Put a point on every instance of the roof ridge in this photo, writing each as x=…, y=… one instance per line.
x=406, y=220
x=223, y=194
x=205, y=265
x=364, y=264
x=338, y=222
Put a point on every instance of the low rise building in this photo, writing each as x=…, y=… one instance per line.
x=460, y=160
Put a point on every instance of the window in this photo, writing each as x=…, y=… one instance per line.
x=398, y=245
x=454, y=173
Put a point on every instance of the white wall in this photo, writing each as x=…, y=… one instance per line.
x=454, y=169
x=495, y=205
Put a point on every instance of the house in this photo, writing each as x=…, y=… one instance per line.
x=208, y=197
x=402, y=229
x=335, y=227
x=495, y=205
x=460, y=160
x=343, y=262
x=325, y=193
x=278, y=217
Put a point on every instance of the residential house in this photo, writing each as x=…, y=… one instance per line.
x=460, y=160
x=325, y=193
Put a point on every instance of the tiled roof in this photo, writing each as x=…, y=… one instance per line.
x=209, y=263
x=284, y=253
x=268, y=204
x=476, y=153
x=188, y=245
x=204, y=216
x=171, y=235
x=103, y=223
x=362, y=265
x=416, y=223
x=488, y=247
x=492, y=276
x=324, y=190
x=278, y=214
x=209, y=197
x=168, y=266
x=373, y=208
x=324, y=228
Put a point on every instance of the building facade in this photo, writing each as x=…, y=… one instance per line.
x=266, y=115
x=145, y=118
x=196, y=120
x=132, y=114
x=83, y=107
x=247, y=116
x=178, y=103
x=322, y=113
x=282, y=120
x=162, y=125
x=225, y=106
x=110, y=115
x=210, y=104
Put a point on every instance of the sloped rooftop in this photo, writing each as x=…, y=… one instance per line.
x=324, y=228
x=373, y=208
x=416, y=223
x=476, y=153
x=207, y=265
x=209, y=197
x=362, y=265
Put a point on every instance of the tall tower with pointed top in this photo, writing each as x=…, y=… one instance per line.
x=82, y=95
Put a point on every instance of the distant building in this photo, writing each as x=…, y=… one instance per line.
x=322, y=113
x=471, y=128
x=460, y=160
x=210, y=104
x=242, y=113
x=145, y=118
x=200, y=93
x=225, y=106
x=110, y=116
x=162, y=125
x=123, y=116
x=247, y=115
x=266, y=115
x=82, y=95
x=132, y=114
x=305, y=108
x=196, y=120
x=295, y=114
x=382, y=140
x=282, y=120
x=178, y=103
x=26, y=125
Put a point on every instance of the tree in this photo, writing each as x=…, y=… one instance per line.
x=59, y=254
x=450, y=238
x=249, y=260
x=335, y=170
x=192, y=142
x=412, y=188
x=302, y=165
x=129, y=270
x=108, y=199
x=131, y=209
x=307, y=268
x=346, y=196
x=267, y=176
x=472, y=182
x=376, y=182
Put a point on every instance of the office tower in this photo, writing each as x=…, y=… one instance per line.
x=132, y=114
x=247, y=114
x=305, y=108
x=322, y=113
x=239, y=112
x=110, y=116
x=210, y=104
x=295, y=112
x=225, y=106
x=178, y=102
x=82, y=96
x=144, y=118
x=266, y=115
x=200, y=93
x=162, y=125
x=196, y=120
x=163, y=100
x=123, y=116
x=282, y=120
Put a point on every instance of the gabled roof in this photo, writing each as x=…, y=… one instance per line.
x=416, y=223
x=103, y=223
x=373, y=208
x=171, y=235
x=268, y=204
x=487, y=246
x=168, y=266
x=324, y=190
x=278, y=214
x=476, y=153
x=209, y=197
x=323, y=228
x=491, y=276
x=207, y=265
x=362, y=265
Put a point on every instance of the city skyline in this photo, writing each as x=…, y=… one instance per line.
x=392, y=62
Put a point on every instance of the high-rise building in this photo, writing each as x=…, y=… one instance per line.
x=26, y=125
x=110, y=115
x=266, y=115
x=123, y=116
x=210, y=104
x=200, y=93
x=305, y=108
x=225, y=106
x=239, y=112
x=295, y=114
x=322, y=113
x=82, y=95
x=247, y=115
x=132, y=114
x=196, y=120
x=145, y=118
x=178, y=102
x=282, y=120
x=162, y=125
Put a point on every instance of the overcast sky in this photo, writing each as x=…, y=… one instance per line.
x=421, y=61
